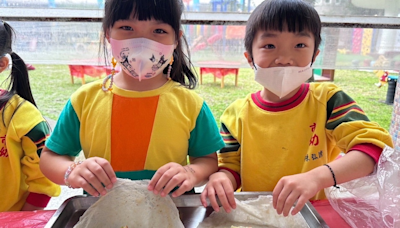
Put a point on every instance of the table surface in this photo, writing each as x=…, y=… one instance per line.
x=38, y=219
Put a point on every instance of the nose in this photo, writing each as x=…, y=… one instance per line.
x=284, y=60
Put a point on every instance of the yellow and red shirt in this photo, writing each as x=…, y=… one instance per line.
x=266, y=141
x=23, y=133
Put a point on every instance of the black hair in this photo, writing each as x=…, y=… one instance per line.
x=19, y=79
x=279, y=15
x=167, y=11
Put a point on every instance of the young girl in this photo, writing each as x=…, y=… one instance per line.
x=142, y=122
x=23, y=132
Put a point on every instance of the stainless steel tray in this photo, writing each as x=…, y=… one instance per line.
x=69, y=212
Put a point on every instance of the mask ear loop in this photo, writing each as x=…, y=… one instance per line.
x=111, y=77
x=252, y=60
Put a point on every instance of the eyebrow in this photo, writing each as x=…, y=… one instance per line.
x=303, y=34
x=268, y=34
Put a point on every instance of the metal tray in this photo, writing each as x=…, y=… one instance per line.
x=71, y=210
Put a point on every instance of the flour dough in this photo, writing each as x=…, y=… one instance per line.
x=129, y=203
x=254, y=213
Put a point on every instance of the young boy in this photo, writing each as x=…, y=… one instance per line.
x=286, y=137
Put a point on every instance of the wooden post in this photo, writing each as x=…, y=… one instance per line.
x=201, y=76
x=236, y=77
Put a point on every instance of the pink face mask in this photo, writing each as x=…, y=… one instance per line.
x=141, y=58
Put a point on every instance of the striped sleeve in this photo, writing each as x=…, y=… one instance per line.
x=229, y=156
x=342, y=108
x=351, y=129
x=39, y=135
x=231, y=144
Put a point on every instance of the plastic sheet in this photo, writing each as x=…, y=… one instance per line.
x=372, y=201
x=31, y=219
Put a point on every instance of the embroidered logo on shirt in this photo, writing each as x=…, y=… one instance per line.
x=314, y=141
x=3, y=150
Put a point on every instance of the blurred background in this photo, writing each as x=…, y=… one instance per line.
x=357, y=34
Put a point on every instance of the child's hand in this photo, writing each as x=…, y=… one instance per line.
x=170, y=176
x=299, y=187
x=93, y=175
x=219, y=184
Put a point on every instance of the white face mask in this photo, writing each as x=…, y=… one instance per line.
x=282, y=80
x=141, y=58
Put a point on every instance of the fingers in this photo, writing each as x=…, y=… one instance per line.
x=184, y=187
x=288, y=191
x=223, y=189
x=203, y=197
x=289, y=203
x=156, y=177
x=279, y=196
x=213, y=200
x=170, y=176
x=225, y=196
x=105, y=173
x=231, y=197
x=92, y=184
x=167, y=181
x=300, y=204
x=275, y=194
x=93, y=175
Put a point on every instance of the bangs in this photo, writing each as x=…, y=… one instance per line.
x=288, y=16
x=166, y=11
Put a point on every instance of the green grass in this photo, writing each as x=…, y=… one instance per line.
x=361, y=87
x=51, y=86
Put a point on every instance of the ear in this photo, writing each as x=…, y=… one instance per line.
x=315, y=56
x=249, y=59
x=108, y=36
x=4, y=63
x=180, y=36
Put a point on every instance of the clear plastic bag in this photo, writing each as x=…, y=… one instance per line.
x=372, y=201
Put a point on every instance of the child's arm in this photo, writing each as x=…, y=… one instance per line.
x=93, y=175
x=186, y=177
x=301, y=187
x=54, y=165
x=224, y=182
x=221, y=183
x=203, y=167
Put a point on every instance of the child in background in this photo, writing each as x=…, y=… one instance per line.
x=142, y=122
x=23, y=132
x=285, y=138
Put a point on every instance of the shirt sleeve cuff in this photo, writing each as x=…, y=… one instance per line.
x=372, y=150
x=38, y=200
x=235, y=175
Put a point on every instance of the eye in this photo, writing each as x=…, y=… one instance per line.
x=160, y=31
x=127, y=28
x=300, y=46
x=269, y=46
